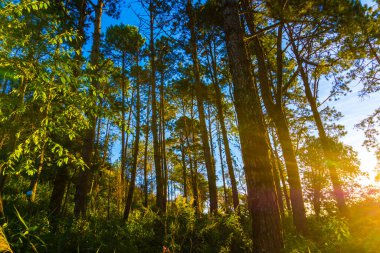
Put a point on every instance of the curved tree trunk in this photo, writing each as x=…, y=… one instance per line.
x=325, y=141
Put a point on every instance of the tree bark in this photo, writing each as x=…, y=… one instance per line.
x=123, y=143
x=84, y=177
x=193, y=173
x=34, y=182
x=222, y=167
x=163, y=138
x=2, y=184
x=56, y=198
x=184, y=173
x=262, y=197
x=156, y=149
x=146, y=153
x=281, y=174
x=62, y=177
x=325, y=141
x=220, y=112
x=276, y=113
x=277, y=183
x=135, y=149
x=199, y=89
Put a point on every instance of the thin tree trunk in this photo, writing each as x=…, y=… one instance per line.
x=135, y=149
x=184, y=174
x=146, y=153
x=276, y=113
x=222, y=167
x=156, y=149
x=192, y=173
x=297, y=203
x=208, y=115
x=109, y=196
x=163, y=139
x=219, y=107
x=317, y=199
x=34, y=182
x=125, y=175
x=199, y=90
x=262, y=197
x=63, y=211
x=62, y=179
x=123, y=145
x=325, y=141
x=281, y=174
x=106, y=142
x=3, y=178
x=145, y=168
x=84, y=177
x=277, y=183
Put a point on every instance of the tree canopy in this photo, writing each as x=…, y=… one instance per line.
x=187, y=126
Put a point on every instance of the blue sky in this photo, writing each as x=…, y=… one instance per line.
x=353, y=107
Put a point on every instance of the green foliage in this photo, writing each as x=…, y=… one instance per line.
x=43, y=109
x=51, y=97
x=327, y=234
x=188, y=233
x=124, y=38
x=180, y=230
x=26, y=235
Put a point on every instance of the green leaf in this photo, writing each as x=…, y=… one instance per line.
x=21, y=219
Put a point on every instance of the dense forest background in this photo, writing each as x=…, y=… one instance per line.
x=201, y=129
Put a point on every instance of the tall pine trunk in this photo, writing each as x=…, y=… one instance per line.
x=84, y=177
x=281, y=173
x=278, y=185
x=199, y=90
x=221, y=118
x=163, y=137
x=146, y=151
x=276, y=113
x=193, y=170
x=325, y=141
x=183, y=161
x=62, y=176
x=222, y=168
x=56, y=198
x=123, y=162
x=156, y=146
x=135, y=148
x=262, y=197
